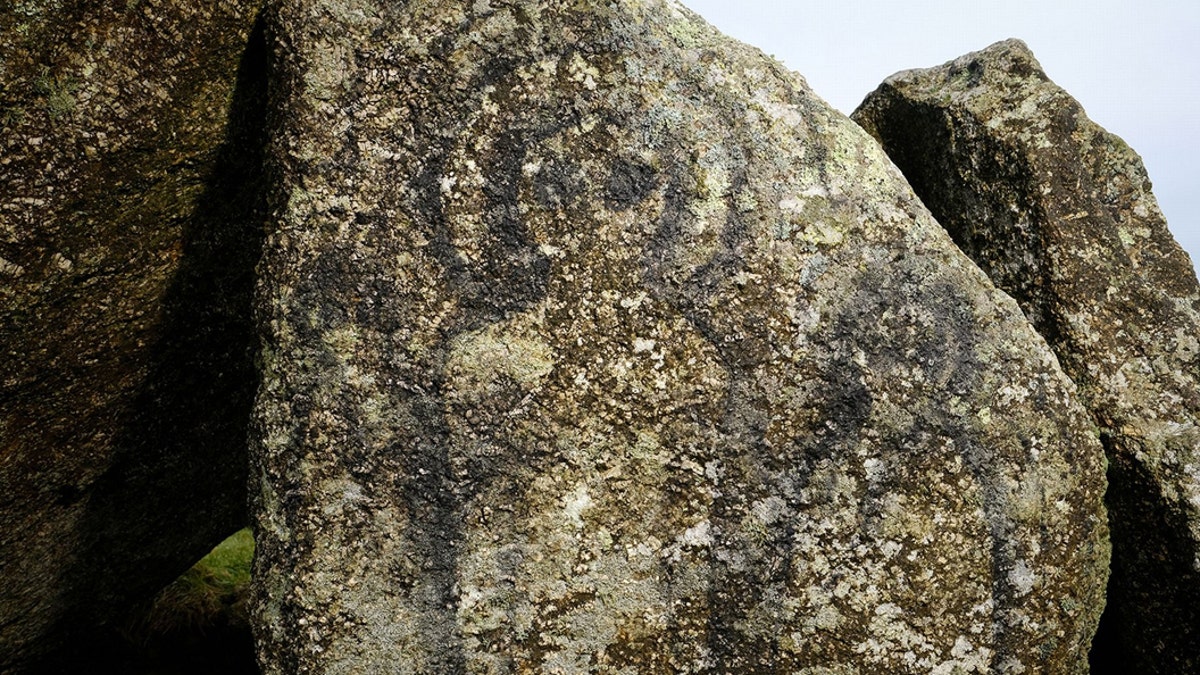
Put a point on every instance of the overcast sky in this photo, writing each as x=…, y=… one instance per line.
x=1135, y=66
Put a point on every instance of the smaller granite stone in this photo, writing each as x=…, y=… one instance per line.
x=1059, y=213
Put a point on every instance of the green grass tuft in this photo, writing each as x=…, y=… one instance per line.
x=197, y=625
x=210, y=595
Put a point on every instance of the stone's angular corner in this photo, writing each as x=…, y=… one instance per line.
x=129, y=227
x=595, y=342
x=1059, y=214
x=1012, y=56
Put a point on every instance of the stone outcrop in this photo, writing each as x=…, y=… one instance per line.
x=594, y=341
x=1059, y=213
x=130, y=147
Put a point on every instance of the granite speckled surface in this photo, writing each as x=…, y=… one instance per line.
x=594, y=341
x=1060, y=214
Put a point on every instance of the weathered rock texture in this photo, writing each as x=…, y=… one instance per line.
x=128, y=237
x=1059, y=213
x=596, y=342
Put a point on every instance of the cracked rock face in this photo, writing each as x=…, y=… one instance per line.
x=594, y=341
x=128, y=238
x=1059, y=213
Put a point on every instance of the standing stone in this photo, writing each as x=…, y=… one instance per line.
x=1059, y=213
x=595, y=341
x=128, y=238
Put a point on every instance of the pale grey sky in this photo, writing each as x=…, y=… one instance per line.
x=1135, y=66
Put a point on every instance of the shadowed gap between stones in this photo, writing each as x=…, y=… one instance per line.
x=178, y=485
x=1148, y=544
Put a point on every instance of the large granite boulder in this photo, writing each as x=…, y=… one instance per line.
x=594, y=341
x=129, y=155
x=1059, y=213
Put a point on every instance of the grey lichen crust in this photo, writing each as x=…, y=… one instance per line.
x=1059, y=213
x=128, y=239
x=594, y=341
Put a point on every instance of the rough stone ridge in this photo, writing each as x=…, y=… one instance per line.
x=594, y=341
x=128, y=239
x=1059, y=213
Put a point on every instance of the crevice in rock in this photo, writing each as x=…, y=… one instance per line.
x=178, y=485
x=1149, y=544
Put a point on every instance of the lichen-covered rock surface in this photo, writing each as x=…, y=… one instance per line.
x=1059, y=213
x=127, y=246
x=594, y=341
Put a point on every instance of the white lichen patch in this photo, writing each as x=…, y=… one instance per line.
x=1022, y=577
x=512, y=351
x=575, y=504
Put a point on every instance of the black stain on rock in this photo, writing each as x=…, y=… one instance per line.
x=630, y=182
